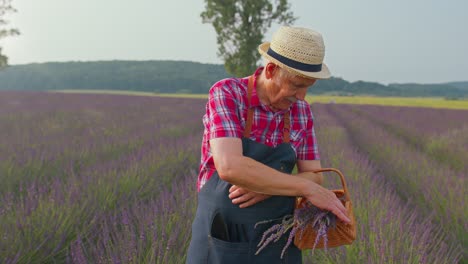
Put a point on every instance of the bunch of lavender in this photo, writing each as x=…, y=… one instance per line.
x=319, y=219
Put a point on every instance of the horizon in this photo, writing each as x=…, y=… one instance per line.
x=399, y=42
x=220, y=64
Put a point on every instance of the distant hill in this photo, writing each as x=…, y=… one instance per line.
x=184, y=77
x=460, y=85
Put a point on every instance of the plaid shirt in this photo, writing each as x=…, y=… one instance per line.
x=226, y=115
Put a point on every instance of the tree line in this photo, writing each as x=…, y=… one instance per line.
x=185, y=77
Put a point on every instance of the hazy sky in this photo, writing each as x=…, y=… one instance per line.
x=423, y=41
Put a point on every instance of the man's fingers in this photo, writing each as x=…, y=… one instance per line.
x=249, y=202
x=245, y=198
x=249, y=199
x=236, y=191
x=341, y=213
x=233, y=188
x=254, y=200
x=342, y=217
x=242, y=198
x=327, y=200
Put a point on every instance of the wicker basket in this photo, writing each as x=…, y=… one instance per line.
x=343, y=234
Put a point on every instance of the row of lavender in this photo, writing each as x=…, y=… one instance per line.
x=440, y=133
x=110, y=179
x=435, y=188
x=96, y=178
x=391, y=227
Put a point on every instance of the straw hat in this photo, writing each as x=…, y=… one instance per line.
x=298, y=50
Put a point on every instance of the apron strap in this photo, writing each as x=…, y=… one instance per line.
x=248, y=124
x=286, y=127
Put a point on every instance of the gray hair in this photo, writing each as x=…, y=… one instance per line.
x=283, y=73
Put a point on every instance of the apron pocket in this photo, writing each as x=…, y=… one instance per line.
x=227, y=244
x=220, y=251
x=219, y=228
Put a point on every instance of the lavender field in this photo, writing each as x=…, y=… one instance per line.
x=88, y=178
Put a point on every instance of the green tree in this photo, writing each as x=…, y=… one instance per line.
x=240, y=26
x=5, y=8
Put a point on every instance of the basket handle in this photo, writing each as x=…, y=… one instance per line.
x=343, y=181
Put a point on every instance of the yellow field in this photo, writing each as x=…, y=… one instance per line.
x=394, y=101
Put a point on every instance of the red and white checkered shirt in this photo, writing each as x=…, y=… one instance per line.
x=226, y=115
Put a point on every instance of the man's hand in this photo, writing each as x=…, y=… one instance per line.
x=245, y=198
x=327, y=200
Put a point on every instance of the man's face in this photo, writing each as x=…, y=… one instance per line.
x=284, y=90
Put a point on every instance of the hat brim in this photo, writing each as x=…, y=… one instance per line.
x=323, y=74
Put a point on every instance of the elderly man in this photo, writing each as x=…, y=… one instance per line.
x=257, y=129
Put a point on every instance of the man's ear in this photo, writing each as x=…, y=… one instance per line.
x=270, y=70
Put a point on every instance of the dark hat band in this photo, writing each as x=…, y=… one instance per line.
x=295, y=64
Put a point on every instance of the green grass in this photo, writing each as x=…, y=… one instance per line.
x=432, y=102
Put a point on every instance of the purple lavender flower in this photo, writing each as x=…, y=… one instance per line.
x=320, y=220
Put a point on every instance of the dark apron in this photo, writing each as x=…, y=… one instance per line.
x=224, y=233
